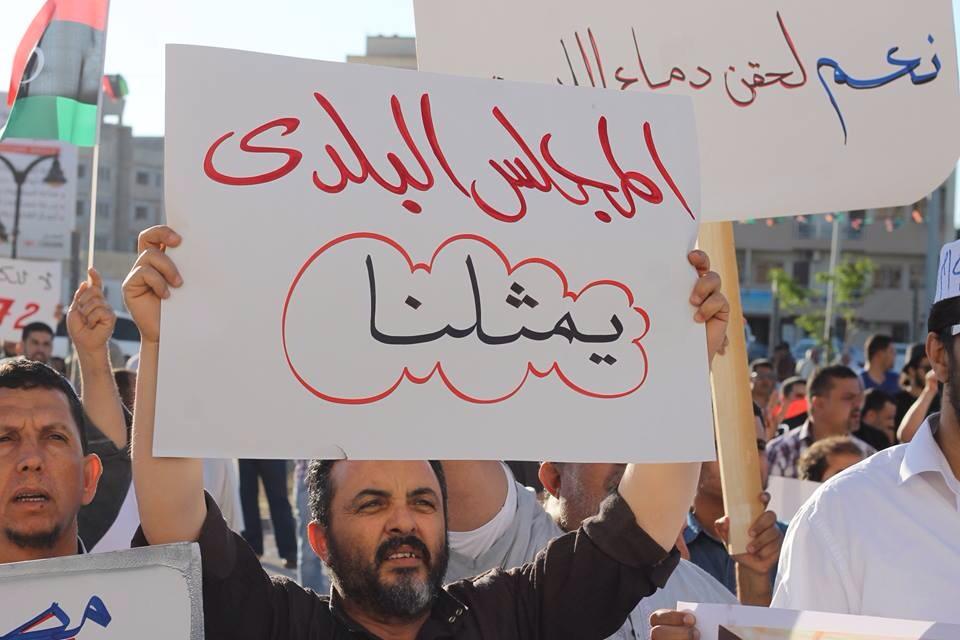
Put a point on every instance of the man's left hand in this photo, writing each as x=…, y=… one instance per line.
x=90, y=319
x=713, y=310
x=763, y=550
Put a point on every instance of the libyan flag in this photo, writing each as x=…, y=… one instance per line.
x=57, y=73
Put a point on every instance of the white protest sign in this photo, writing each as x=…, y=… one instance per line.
x=803, y=106
x=730, y=622
x=29, y=292
x=153, y=593
x=428, y=266
x=48, y=197
x=787, y=495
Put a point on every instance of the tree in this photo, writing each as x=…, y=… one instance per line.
x=851, y=285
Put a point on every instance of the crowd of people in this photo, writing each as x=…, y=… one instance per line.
x=487, y=549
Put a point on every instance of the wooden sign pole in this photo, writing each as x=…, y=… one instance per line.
x=732, y=403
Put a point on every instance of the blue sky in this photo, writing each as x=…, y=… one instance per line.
x=138, y=29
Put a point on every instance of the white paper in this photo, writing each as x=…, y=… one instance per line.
x=153, y=592
x=760, y=623
x=48, y=213
x=29, y=292
x=278, y=285
x=773, y=143
x=948, y=273
x=787, y=495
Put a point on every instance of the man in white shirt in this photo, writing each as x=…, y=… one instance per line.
x=498, y=523
x=883, y=537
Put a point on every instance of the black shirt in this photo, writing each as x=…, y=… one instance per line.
x=873, y=437
x=583, y=585
x=905, y=400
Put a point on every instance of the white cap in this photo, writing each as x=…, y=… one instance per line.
x=948, y=275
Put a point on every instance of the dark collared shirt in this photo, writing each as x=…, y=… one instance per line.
x=582, y=586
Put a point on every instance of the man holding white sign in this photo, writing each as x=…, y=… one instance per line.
x=381, y=527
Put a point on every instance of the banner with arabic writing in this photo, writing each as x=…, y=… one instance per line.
x=151, y=592
x=429, y=266
x=803, y=106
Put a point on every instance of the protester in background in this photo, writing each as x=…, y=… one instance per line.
x=37, y=342
x=705, y=532
x=58, y=364
x=791, y=409
x=883, y=538
x=311, y=573
x=126, y=385
x=273, y=473
x=382, y=528
x=828, y=457
x=877, y=427
x=784, y=365
x=881, y=354
x=763, y=381
x=809, y=363
x=833, y=395
x=920, y=396
x=221, y=481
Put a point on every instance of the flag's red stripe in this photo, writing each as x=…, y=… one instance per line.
x=88, y=12
x=27, y=44
x=108, y=88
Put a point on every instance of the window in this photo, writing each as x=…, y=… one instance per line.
x=101, y=243
x=158, y=180
x=143, y=178
x=918, y=275
x=81, y=170
x=741, y=264
x=888, y=276
x=81, y=208
x=105, y=174
x=801, y=272
x=140, y=212
x=762, y=269
x=103, y=210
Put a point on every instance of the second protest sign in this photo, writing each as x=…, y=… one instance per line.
x=403, y=265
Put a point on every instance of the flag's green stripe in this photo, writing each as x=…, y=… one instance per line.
x=53, y=118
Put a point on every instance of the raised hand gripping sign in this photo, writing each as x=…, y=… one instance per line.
x=29, y=292
x=802, y=106
x=401, y=265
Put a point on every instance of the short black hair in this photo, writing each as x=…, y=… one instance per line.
x=20, y=373
x=35, y=327
x=877, y=343
x=790, y=383
x=321, y=489
x=813, y=462
x=874, y=400
x=822, y=379
x=760, y=362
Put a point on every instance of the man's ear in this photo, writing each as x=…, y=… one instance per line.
x=549, y=476
x=92, y=468
x=937, y=355
x=317, y=534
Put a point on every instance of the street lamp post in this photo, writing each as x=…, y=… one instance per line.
x=54, y=178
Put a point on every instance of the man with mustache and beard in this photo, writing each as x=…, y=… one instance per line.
x=883, y=537
x=382, y=528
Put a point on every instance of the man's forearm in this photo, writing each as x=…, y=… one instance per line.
x=753, y=589
x=915, y=416
x=660, y=496
x=99, y=395
x=169, y=490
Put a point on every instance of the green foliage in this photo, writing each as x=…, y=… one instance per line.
x=851, y=285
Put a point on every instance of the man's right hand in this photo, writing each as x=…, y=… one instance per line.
x=673, y=625
x=150, y=280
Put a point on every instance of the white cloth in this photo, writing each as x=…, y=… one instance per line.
x=530, y=528
x=120, y=533
x=473, y=544
x=222, y=481
x=880, y=539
